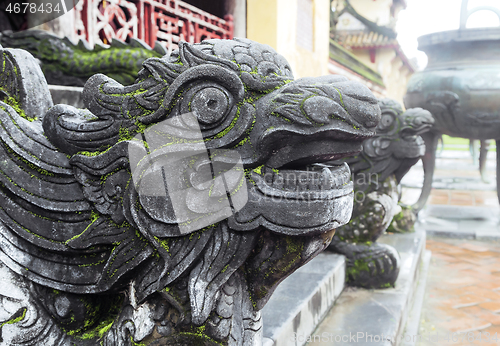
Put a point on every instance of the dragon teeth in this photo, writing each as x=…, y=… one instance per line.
x=326, y=179
x=321, y=178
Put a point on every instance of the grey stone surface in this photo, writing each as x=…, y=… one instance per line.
x=169, y=210
x=461, y=222
x=411, y=331
x=461, y=212
x=359, y=313
x=443, y=228
x=303, y=299
x=67, y=95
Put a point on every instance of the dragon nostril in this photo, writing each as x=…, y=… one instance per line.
x=320, y=109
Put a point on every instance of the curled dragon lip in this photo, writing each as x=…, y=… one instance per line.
x=316, y=182
x=321, y=196
x=414, y=131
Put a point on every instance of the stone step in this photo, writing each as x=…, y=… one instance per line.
x=379, y=317
x=411, y=332
x=67, y=95
x=464, y=222
x=302, y=300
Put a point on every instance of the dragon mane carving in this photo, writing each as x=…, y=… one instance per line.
x=93, y=250
x=66, y=63
x=377, y=171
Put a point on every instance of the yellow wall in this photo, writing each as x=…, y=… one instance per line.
x=262, y=21
x=274, y=22
x=390, y=66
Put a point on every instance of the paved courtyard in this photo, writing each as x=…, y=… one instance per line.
x=463, y=285
x=462, y=293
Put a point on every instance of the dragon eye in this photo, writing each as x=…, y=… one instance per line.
x=210, y=105
x=386, y=120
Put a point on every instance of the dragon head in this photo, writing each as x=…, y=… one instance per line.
x=203, y=182
x=397, y=145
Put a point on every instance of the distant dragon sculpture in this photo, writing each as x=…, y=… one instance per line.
x=66, y=63
x=377, y=171
x=94, y=249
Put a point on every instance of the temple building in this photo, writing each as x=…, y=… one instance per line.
x=364, y=47
x=355, y=38
x=296, y=29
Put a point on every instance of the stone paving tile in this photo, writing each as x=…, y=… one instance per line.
x=452, y=292
x=463, y=202
x=474, y=247
x=495, y=286
x=483, y=255
x=465, y=300
x=488, y=336
x=481, y=262
x=483, y=277
x=450, y=314
x=464, y=325
x=461, y=281
x=457, y=251
x=493, y=330
x=486, y=315
x=460, y=266
x=457, y=173
x=446, y=257
x=483, y=292
x=493, y=306
x=462, y=293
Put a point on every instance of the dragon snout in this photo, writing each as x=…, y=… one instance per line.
x=417, y=120
x=327, y=101
x=321, y=109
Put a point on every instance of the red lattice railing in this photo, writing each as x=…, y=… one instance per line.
x=166, y=21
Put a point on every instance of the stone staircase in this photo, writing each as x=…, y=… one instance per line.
x=312, y=306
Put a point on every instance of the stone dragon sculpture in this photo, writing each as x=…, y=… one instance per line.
x=377, y=171
x=66, y=63
x=94, y=248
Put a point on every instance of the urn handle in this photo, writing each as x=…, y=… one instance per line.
x=466, y=13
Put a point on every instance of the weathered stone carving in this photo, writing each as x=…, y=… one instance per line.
x=64, y=63
x=377, y=171
x=168, y=211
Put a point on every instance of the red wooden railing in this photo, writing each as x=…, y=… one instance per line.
x=166, y=21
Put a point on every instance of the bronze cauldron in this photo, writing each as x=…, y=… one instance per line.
x=460, y=87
